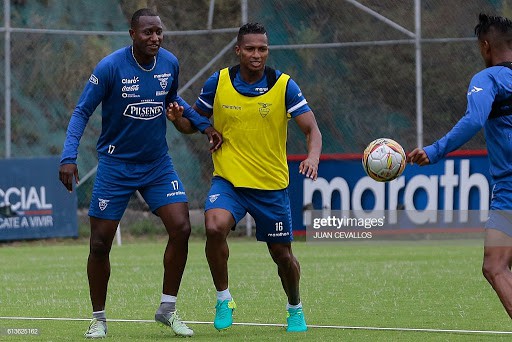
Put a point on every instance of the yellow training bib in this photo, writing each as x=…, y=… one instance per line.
x=254, y=129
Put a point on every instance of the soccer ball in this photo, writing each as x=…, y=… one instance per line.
x=384, y=159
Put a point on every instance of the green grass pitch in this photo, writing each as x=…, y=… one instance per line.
x=384, y=285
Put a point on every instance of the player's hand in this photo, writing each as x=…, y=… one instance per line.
x=174, y=112
x=418, y=156
x=214, y=137
x=309, y=168
x=66, y=174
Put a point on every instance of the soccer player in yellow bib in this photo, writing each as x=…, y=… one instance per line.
x=251, y=105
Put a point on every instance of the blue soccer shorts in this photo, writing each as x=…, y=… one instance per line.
x=116, y=182
x=500, y=213
x=269, y=208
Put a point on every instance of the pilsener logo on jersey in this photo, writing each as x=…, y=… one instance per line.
x=144, y=110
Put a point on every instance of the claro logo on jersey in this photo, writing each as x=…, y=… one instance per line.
x=133, y=80
x=144, y=110
x=130, y=86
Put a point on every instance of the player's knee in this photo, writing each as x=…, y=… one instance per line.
x=493, y=266
x=214, y=232
x=285, y=261
x=99, y=249
x=180, y=230
x=488, y=270
x=215, y=228
x=282, y=257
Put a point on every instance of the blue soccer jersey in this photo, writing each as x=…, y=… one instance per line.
x=133, y=108
x=296, y=104
x=485, y=89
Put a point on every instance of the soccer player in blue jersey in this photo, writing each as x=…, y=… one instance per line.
x=489, y=106
x=134, y=85
x=251, y=105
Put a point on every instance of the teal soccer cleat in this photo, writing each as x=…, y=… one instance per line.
x=296, y=321
x=224, y=314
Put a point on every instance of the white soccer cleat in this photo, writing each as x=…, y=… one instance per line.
x=97, y=329
x=174, y=322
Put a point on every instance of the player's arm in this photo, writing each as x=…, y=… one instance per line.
x=462, y=132
x=188, y=120
x=214, y=136
x=185, y=117
x=178, y=114
x=198, y=121
x=479, y=104
x=174, y=113
x=91, y=97
x=298, y=108
x=418, y=156
x=204, y=106
x=308, y=126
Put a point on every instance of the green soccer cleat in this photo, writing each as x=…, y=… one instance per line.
x=173, y=321
x=296, y=321
x=224, y=314
x=97, y=329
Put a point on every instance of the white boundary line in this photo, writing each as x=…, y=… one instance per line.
x=492, y=332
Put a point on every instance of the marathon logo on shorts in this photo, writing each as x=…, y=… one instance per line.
x=280, y=234
x=176, y=193
x=144, y=110
x=213, y=198
x=102, y=203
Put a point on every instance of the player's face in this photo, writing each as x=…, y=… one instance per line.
x=147, y=37
x=253, y=51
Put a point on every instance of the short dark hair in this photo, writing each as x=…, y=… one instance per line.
x=487, y=22
x=250, y=28
x=143, y=12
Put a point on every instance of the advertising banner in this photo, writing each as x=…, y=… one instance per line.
x=453, y=193
x=33, y=203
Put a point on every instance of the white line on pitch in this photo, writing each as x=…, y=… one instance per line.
x=275, y=325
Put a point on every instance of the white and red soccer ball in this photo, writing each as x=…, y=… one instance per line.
x=384, y=159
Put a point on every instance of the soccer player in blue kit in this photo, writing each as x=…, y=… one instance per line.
x=135, y=84
x=251, y=105
x=489, y=106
